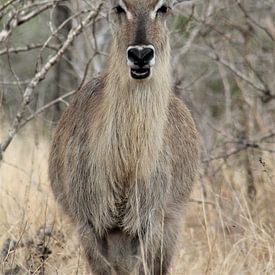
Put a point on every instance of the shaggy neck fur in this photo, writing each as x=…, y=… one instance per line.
x=132, y=118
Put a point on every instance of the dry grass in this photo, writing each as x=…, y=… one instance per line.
x=223, y=232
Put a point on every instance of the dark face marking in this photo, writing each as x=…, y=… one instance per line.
x=140, y=32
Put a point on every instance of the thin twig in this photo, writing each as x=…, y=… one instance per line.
x=26, y=49
x=5, y=5
x=257, y=84
x=45, y=107
x=61, y=98
x=28, y=94
x=253, y=21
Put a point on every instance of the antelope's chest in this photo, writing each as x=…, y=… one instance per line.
x=129, y=179
x=129, y=201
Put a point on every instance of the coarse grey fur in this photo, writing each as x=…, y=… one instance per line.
x=124, y=157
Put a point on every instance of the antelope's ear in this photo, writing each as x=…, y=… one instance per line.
x=175, y=2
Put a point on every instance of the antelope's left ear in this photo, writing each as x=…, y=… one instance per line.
x=175, y=2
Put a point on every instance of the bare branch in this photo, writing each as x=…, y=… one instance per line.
x=41, y=75
x=229, y=154
x=5, y=5
x=61, y=98
x=255, y=82
x=26, y=49
x=45, y=45
x=46, y=107
x=270, y=135
x=20, y=17
x=253, y=21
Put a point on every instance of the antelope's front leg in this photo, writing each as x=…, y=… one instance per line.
x=96, y=250
x=158, y=250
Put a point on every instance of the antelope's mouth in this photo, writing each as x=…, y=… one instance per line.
x=140, y=73
x=140, y=59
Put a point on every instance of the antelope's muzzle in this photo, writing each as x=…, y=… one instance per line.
x=140, y=59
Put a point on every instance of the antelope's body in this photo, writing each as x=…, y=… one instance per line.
x=125, y=154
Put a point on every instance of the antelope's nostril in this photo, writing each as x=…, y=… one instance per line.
x=134, y=55
x=147, y=54
x=141, y=56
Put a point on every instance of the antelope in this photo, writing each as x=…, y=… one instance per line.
x=125, y=152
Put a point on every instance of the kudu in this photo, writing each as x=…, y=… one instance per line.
x=125, y=152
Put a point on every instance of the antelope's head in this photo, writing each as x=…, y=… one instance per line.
x=141, y=37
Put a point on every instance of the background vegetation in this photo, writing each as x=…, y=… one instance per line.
x=223, y=67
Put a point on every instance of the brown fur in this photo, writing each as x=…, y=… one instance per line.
x=122, y=165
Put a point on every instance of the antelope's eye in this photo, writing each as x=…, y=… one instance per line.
x=162, y=9
x=119, y=10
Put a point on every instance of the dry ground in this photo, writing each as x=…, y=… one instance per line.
x=223, y=232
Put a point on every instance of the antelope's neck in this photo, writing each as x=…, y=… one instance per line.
x=137, y=116
x=133, y=118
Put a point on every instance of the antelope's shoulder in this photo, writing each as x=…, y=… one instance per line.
x=181, y=131
x=82, y=104
x=75, y=120
x=179, y=117
x=86, y=97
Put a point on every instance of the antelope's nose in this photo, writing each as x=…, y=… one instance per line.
x=141, y=56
